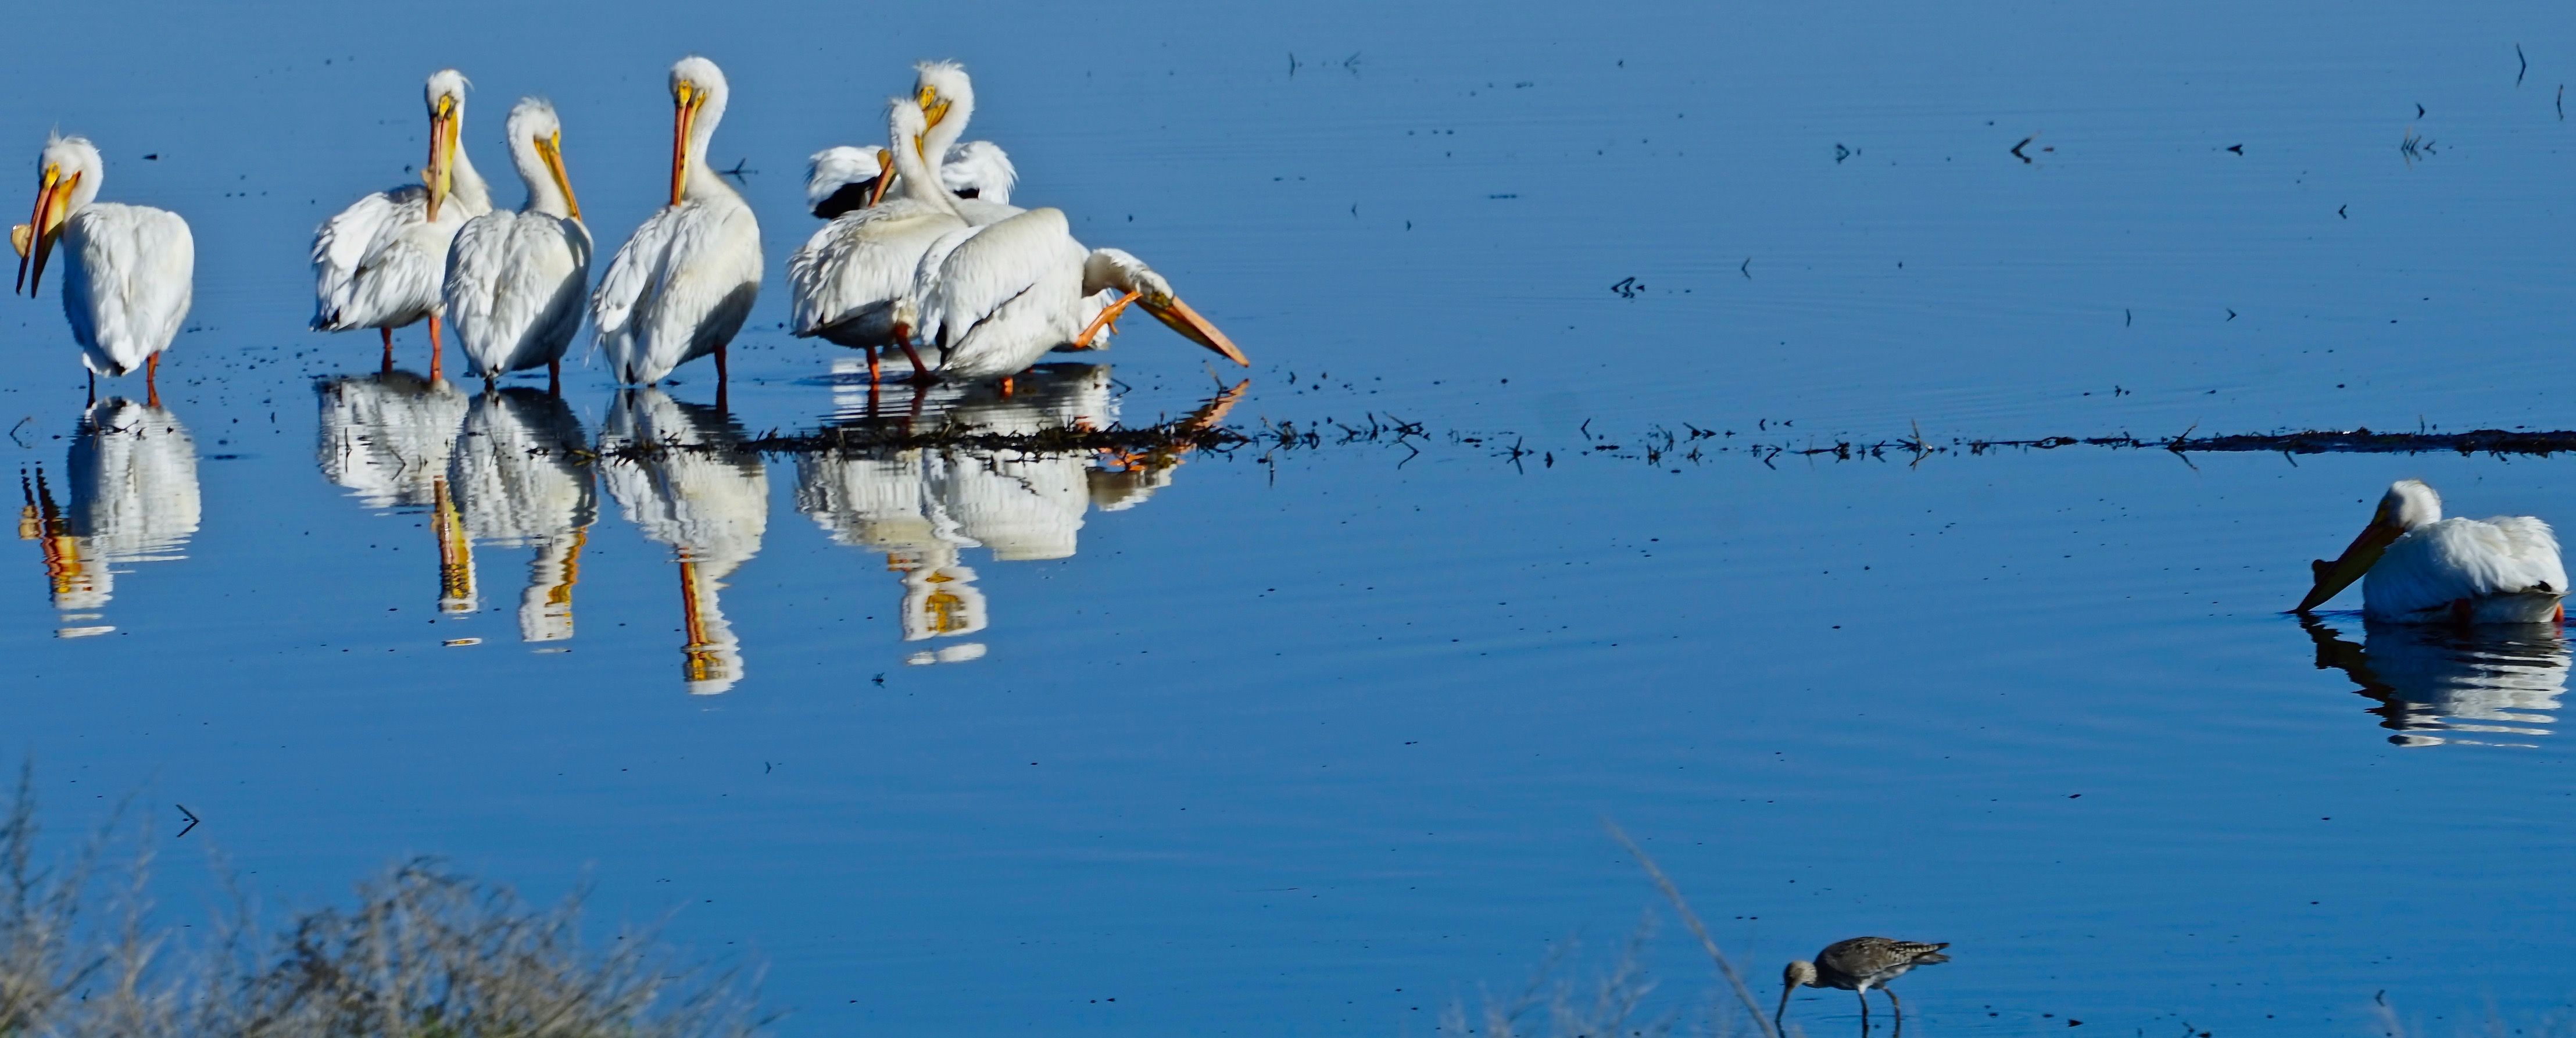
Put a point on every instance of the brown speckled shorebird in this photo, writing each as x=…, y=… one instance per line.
x=1857, y=965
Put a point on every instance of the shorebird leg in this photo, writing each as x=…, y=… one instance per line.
x=1891, y=1000
x=435, y=353
x=388, y=333
x=1863, y=993
x=151, y=388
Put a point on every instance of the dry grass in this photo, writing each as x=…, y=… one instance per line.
x=423, y=953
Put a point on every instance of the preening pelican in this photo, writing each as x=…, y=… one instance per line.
x=380, y=262
x=2426, y=569
x=848, y=274
x=128, y=269
x=515, y=281
x=1007, y=293
x=680, y=288
x=842, y=178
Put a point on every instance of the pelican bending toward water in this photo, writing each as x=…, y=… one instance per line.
x=129, y=269
x=841, y=179
x=848, y=274
x=379, y=264
x=515, y=281
x=681, y=287
x=1003, y=295
x=2423, y=568
x=1857, y=965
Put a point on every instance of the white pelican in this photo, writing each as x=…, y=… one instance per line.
x=680, y=288
x=947, y=99
x=842, y=178
x=1011, y=291
x=694, y=489
x=848, y=274
x=2426, y=569
x=134, y=498
x=519, y=479
x=380, y=262
x=128, y=268
x=515, y=281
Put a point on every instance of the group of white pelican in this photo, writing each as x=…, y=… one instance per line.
x=923, y=252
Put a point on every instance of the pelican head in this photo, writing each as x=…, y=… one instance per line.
x=445, y=96
x=533, y=120
x=1116, y=268
x=943, y=92
x=2408, y=505
x=906, y=124
x=1799, y=974
x=67, y=176
x=697, y=101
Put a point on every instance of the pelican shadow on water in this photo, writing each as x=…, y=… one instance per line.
x=2491, y=685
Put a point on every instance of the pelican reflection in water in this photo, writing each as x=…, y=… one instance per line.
x=923, y=506
x=133, y=498
x=388, y=438
x=520, y=478
x=682, y=477
x=2492, y=685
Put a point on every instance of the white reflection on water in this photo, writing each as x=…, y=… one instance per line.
x=519, y=480
x=134, y=498
x=710, y=506
x=922, y=506
x=2481, y=686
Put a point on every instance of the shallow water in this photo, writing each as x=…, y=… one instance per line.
x=1314, y=740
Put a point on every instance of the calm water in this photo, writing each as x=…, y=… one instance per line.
x=1314, y=741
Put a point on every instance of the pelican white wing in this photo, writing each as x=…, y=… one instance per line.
x=130, y=283
x=848, y=274
x=1005, y=296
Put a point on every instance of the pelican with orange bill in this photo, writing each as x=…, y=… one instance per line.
x=130, y=269
x=682, y=285
x=2417, y=567
x=382, y=261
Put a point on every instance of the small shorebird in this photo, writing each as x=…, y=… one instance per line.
x=1857, y=965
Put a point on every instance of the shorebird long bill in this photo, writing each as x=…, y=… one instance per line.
x=2333, y=577
x=53, y=199
x=440, y=172
x=1186, y=321
x=550, y=149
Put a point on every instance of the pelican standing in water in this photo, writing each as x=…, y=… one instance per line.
x=681, y=287
x=1005, y=294
x=129, y=269
x=2422, y=568
x=515, y=281
x=379, y=264
x=848, y=274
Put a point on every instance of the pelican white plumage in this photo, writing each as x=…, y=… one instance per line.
x=379, y=263
x=843, y=178
x=2423, y=568
x=846, y=277
x=1006, y=293
x=947, y=99
x=681, y=286
x=129, y=270
x=516, y=281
